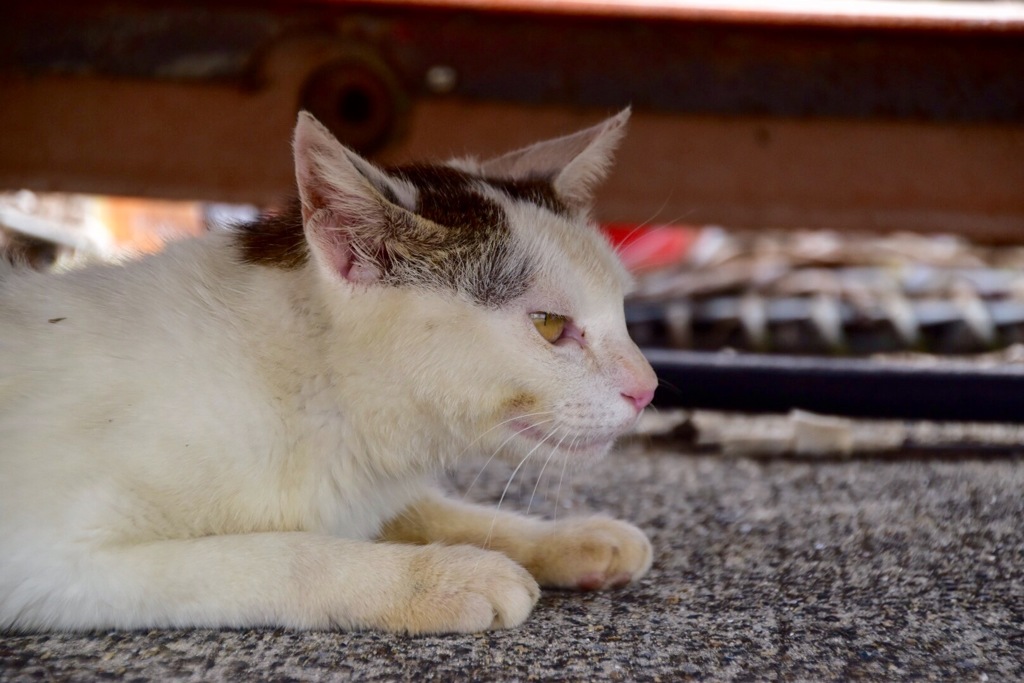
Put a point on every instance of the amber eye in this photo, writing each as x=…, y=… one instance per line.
x=550, y=325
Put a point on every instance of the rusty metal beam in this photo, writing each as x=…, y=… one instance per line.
x=727, y=63
x=744, y=119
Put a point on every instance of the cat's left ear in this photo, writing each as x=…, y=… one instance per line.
x=345, y=202
x=575, y=163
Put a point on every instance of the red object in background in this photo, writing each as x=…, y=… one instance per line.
x=644, y=248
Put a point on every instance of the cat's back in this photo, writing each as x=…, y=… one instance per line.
x=112, y=340
x=129, y=392
x=112, y=308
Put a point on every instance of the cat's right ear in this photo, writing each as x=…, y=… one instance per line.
x=344, y=202
x=574, y=163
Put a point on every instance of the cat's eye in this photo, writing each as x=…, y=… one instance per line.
x=550, y=325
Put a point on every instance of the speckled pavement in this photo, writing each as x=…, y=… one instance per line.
x=766, y=569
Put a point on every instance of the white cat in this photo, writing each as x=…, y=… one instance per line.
x=242, y=430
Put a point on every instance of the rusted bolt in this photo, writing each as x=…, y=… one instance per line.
x=358, y=100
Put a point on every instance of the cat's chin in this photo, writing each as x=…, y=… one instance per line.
x=577, y=446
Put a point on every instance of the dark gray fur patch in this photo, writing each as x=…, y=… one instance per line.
x=535, y=190
x=275, y=239
x=457, y=238
x=465, y=244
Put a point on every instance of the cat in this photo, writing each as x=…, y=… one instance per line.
x=244, y=430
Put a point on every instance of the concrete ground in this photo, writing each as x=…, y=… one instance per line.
x=783, y=568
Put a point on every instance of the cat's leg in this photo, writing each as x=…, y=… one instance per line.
x=585, y=553
x=290, y=579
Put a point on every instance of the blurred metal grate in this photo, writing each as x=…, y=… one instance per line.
x=824, y=293
x=824, y=322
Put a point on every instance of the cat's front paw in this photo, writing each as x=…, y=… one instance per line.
x=590, y=554
x=462, y=589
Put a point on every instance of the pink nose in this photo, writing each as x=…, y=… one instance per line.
x=638, y=397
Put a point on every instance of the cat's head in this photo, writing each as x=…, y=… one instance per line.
x=488, y=300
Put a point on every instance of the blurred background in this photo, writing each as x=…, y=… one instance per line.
x=835, y=177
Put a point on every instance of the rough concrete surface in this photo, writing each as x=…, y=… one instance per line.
x=766, y=569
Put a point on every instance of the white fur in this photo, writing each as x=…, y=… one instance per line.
x=191, y=440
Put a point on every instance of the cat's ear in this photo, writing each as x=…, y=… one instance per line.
x=345, y=201
x=575, y=163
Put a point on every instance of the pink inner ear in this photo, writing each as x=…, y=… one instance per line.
x=362, y=272
x=340, y=201
x=330, y=242
x=341, y=261
x=337, y=249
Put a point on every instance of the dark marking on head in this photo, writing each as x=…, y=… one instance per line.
x=535, y=190
x=446, y=197
x=465, y=242
x=456, y=237
x=275, y=239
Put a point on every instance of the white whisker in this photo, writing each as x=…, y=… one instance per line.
x=558, y=493
x=502, y=445
x=544, y=467
x=503, y=422
x=572, y=446
x=533, y=450
x=641, y=226
x=625, y=243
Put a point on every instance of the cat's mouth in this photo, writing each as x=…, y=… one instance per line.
x=557, y=439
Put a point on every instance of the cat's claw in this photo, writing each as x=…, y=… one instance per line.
x=591, y=553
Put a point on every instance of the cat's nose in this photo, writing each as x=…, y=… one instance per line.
x=639, y=398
